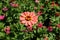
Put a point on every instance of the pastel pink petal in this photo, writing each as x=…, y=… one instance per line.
x=29, y=23
x=35, y=18
x=32, y=22
x=28, y=13
x=23, y=15
x=22, y=18
x=32, y=14
x=26, y=23
x=23, y=21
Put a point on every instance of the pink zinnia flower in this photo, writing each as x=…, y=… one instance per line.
x=7, y=29
x=58, y=25
x=2, y=17
x=50, y=28
x=40, y=25
x=14, y=4
x=39, y=13
x=28, y=18
x=5, y=9
x=37, y=1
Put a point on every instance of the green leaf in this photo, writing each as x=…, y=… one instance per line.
x=1, y=25
x=2, y=35
x=38, y=38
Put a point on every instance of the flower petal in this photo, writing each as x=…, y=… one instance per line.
x=32, y=14
x=29, y=23
x=28, y=13
x=23, y=22
x=23, y=15
x=26, y=23
x=22, y=18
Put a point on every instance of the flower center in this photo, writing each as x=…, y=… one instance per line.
x=28, y=18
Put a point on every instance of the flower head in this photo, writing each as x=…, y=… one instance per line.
x=14, y=5
x=40, y=25
x=50, y=28
x=39, y=13
x=2, y=17
x=5, y=9
x=28, y=18
x=7, y=29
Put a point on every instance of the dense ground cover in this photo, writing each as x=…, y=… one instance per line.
x=29, y=19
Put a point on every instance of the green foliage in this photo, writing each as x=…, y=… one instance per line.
x=17, y=29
